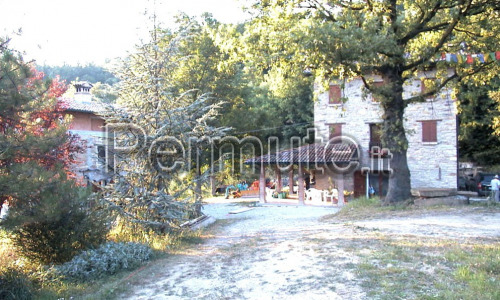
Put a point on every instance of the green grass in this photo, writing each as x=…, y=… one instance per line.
x=477, y=272
x=363, y=208
x=430, y=269
x=129, y=232
x=421, y=268
x=396, y=271
x=373, y=208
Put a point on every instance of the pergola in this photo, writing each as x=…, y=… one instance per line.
x=309, y=156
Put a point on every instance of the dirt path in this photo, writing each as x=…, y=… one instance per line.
x=286, y=252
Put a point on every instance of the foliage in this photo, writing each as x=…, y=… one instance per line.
x=495, y=95
x=108, y=259
x=152, y=186
x=268, y=102
x=101, y=92
x=396, y=40
x=478, y=110
x=253, y=104
x=89, y=72
x=34, y=144
x=31, y=120
x=477, y=270
x=35, y=158
x=59, y=226
x=14, y=284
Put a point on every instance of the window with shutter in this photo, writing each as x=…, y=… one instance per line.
x=335, y=130
x=429, y=131
x=335, y=95
x=375, y=135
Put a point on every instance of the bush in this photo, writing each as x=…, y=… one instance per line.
x=105, y=260
x=57, y=225
x=59, y=240
x=15, y=285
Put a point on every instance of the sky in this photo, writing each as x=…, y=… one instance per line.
x=56, y=32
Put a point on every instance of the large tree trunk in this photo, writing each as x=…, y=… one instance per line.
x=394, y=138
x=399, y=181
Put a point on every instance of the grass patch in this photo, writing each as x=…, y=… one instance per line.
x=129, y=232
x=476, y=272
x=430, y=269
x=364, y=208
x=372, y=208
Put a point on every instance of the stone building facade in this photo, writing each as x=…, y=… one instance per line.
x=431, y=130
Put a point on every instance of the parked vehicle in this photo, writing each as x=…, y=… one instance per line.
x=484, y=183
x=462, y=183
x=468, y=183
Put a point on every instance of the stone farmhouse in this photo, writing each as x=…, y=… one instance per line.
x=431, y=129
x=95, y=164
x=348, y=133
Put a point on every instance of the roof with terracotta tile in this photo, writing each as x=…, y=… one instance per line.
x=85, y=106
x=314, y=153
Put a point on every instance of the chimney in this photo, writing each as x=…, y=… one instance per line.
x=82, y=93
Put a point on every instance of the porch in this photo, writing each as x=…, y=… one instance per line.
x=306, y=162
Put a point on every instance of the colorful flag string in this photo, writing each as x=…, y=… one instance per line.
x=469, y=58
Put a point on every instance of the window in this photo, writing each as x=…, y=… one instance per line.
x=335, y=95
x=335, y=130
x=375, y=135
x=101, y=155
x=429, y=131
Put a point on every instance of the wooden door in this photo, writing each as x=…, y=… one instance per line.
x=359, y=184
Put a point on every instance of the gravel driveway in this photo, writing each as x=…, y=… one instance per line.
x=287, y=252
x=268, y=217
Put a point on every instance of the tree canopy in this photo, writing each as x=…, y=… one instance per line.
x=90, y=72
x=478, y=114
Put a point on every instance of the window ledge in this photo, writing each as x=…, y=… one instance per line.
x=429, y=143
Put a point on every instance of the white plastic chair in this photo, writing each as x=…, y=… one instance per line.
x=334, y=194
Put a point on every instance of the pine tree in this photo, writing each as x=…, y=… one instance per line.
x=158, y=181
x=33, y=135
x=48, y=214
